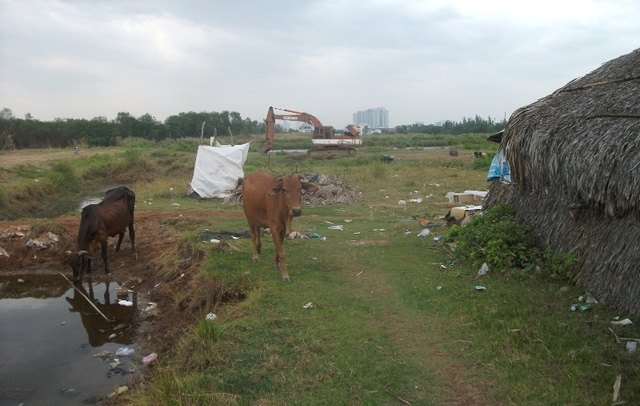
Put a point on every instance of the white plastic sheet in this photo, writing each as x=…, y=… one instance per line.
x=217, y=169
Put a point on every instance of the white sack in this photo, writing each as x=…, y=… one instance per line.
x=218, y=169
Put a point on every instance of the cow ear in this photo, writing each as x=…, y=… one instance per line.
x=309, y=187
x=276, y=190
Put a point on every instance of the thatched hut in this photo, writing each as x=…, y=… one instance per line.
x=575, y=164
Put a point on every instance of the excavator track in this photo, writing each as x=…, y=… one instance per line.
x=331, y=152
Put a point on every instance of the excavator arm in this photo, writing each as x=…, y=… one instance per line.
x=271, y=124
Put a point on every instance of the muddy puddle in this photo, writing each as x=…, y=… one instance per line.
x=51, y=335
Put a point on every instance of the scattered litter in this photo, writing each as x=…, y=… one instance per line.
x=313, y=235
x=295, y=234
x=407, y=231
x=379, y=229
x=574, y=307
x=215, y=240
x=631, y=347
x=157, y=285
x=438, y=238
x=210, y=317
x=127, y=303
x=150, y=306
x=308, y=305
x=616, y=388
x=119, y=391
x=356, y=233
x=124, y=352
x=591, y=299
x=338, y=227
x=482, y=271
x=103, y=355
x=418, y=200
x=69, y=391
x=624, y=322
x=348, y=220
x=3, y=253
x=323, y=238
x=115, y=364
x=425, y=232
x=112, y=336
x=443, y=266
x=584, y=308
x=402, y=202
x=64, y=323
x=150, y=358
x=439, y=288
x=480, y=288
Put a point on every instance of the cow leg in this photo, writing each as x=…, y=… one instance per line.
x=255, y=241
x=103, y=244
x=279, y=262
x=120, y=237
x=132, y=237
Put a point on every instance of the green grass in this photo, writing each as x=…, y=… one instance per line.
x=395, y=318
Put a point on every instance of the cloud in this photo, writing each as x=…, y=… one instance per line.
x=422, y=60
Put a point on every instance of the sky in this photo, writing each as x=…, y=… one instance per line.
x=424, y=61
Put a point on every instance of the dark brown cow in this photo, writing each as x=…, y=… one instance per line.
x=99, y=221
x=272, y=201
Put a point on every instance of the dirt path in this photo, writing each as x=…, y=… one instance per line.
x=33, y=157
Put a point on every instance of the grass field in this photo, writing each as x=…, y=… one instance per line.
x=376, y=315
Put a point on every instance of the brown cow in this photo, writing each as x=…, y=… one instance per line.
x=272, y=201
x=99, y=221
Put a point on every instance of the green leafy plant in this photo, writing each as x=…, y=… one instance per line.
x=495, y=237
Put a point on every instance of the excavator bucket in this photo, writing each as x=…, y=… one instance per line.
x=264, y=148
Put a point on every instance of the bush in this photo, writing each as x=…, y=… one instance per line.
x=496, y=237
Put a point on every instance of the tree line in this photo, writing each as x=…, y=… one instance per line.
x=25, y=133
x=477, y=125
x=62, y=133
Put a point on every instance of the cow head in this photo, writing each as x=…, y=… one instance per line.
x=291, y=186
x=78, y=261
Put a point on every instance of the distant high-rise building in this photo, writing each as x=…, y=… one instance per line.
x=373, y=118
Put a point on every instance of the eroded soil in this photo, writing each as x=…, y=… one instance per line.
x=156, y=275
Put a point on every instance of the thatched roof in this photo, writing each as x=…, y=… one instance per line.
x=575, y=160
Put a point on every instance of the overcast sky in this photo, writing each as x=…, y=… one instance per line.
x=424, y=61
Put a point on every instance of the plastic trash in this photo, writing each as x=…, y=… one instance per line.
x=624, y=322
x=308, y=305
x=482, y=271
x=314, y=235
x=439, y=288
x=127, y=303
x=574, y=307
x=480, y=288
x=632, y=346
x=124, y=352
x=150, y=358
x=402, y=202
x=425, y=232
x=338, y=227
x=407, y=231
x=584, y=308
x=210, y=317
x=438, y=238
x=119, y=391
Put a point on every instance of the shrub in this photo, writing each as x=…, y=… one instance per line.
x=496, y=237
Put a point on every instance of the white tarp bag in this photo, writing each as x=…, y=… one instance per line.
x=218, y=169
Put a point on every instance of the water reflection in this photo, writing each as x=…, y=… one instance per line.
x=119, y=318
x=50, y=334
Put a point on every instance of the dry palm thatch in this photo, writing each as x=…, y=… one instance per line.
x=331, y=190
x=575, y=160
